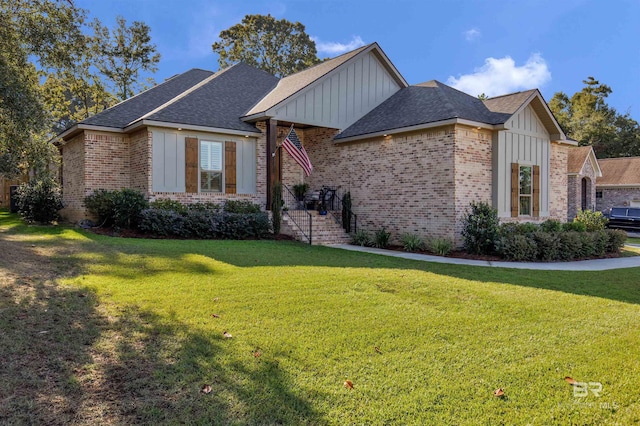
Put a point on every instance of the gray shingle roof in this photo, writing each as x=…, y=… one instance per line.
x=221, y=101
x=125, y=112
x=424, y=103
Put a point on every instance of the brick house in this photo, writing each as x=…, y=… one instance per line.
x=412, y=157
x=583, y=173
x=620, y=183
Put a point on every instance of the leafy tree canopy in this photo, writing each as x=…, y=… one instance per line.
x=587, y=118
x=279, y=47
x=123, y=53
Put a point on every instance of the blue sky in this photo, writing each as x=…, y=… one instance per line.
x=490, y=46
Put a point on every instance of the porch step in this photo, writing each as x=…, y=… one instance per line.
x=325, y=230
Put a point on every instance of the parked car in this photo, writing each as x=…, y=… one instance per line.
x=624, y=217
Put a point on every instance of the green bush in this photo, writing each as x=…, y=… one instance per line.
x=100, y=204
x=551, y=225
x=594, y=221
x=587, y=245
x=207, y=224
x=120, y=207
x=381, y=238
x=527, y=228
x=548, y=245
x=574, y=226
x=167, y=204
x=412, y=242
x=361, y=238
x=600, y=243
x=518, y=247
x=39, y=200
x=617, y=238
x=208, y=206
x=127, y=205
x=241, y=206
x=440, y=246
x=570, y=245
x=480, y=228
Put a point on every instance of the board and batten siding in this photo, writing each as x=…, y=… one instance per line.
x=340, y=99
x=527, y=143
x=168, y=157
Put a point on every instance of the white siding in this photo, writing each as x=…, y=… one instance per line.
x=168, y=156
x=525, y=142
x=340, y=99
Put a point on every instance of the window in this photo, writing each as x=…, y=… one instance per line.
x=598, y=194
x=210, y=166
x=526, y=191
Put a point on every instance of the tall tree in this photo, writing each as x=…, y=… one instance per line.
x=279, y=47
x=124, y=53
x=587, y=118
x=76, y=92
x=48, y=31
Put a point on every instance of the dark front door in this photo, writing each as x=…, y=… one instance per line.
x=584, y=194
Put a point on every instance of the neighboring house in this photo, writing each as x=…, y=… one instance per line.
x=5, y=190
x=412, y=157
x=620, y=183
x=584, y=171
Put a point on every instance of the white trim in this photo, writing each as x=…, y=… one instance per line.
x=424, y=126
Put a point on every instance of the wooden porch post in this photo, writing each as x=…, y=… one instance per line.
x=272, y=164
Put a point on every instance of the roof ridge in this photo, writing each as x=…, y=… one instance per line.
x=185, y=93
x=510, y=94
x=328, y=60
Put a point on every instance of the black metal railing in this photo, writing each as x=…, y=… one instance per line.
x=297, y=210
x=339, y=208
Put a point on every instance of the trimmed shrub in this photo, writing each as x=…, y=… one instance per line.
x=600, y=242
x=120, y=207
x=361, y=238
x=161, y=222
x=127, y=206
x=39, y=200
x=551, y=225
x=167, y=204
x=100, y=204
x=548, y=244
x=440, y=246
x=587, y=245
x=570, y=245
x=617, y=238
x=480, y=228
x=241, y=206
x=412, y=242
x=381, y=238
x=204, y=207
x=594, y=221
x=574, y=227
x=518, y=247
x=527, y=228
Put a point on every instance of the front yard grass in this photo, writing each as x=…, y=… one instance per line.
x=103, y=330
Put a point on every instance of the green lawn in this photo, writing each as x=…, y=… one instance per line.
x=107, y=330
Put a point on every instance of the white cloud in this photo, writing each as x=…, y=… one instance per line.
x=472, y=34
x=335, y=48
x=501, y=76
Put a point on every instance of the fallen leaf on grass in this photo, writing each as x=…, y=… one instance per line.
x=215, y=299
x=348, y=384
x=215, y=315
x=206, y=389
x=377, y=349
x=570, y=381
x=227, y=335
x=499, y=393
x=257, y=354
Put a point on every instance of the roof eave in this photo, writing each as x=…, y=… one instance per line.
x=61, y=139
x=179, y=126
x=423, y=126
x=616, y=185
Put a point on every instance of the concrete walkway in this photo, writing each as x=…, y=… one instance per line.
x=581, y=265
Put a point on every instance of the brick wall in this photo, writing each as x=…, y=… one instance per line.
x=107, y=161
x=558, y=182
x=617, y=197
x=473, y=171
x=403, y=182
x=574, y=190
x=140, y=159
x=73, y=179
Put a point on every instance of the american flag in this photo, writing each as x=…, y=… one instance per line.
x=295, y=149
